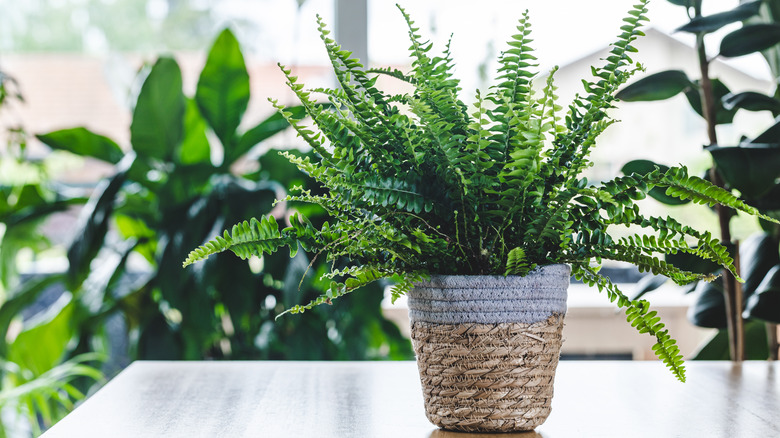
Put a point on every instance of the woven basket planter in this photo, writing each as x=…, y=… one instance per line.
x=487, y=347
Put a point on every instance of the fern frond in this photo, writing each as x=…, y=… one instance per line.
x=517, y=263
x=248, y=238
x=639, y=316
x=357, y=277
x=700, y=191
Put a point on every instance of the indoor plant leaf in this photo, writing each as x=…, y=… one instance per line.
x=657, y=86
x=195, y=146
x=158, y=118
x=764, y=304
x=752, y=169
x=223, y=89
x=749, y=39
x=751, y=101
x=709, y=310
x=84, y=142
x=93, y=224
x=711, y=23
x=719, y=89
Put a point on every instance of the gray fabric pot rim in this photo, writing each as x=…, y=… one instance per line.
x=491, y=299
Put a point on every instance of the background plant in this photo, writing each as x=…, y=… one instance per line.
x=37, y=387
x=417, y=185
x=751, y=168
x=124, y=294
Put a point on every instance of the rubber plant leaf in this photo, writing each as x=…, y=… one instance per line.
x=658, y=86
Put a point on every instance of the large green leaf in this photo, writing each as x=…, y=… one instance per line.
x=20, y=298
x=93, y=224
x=265, y=129
x=757, y=255
x=195, y=146
x=750, y=39
x=158, y=118
x=223, y=89
x=643, y=167
x=751, y=101
x=658, y=86
x=752, y=169
x=41, y=346
x=714, y=22
x=719, y=90
x=84, y=142
x=764, y=304
x=709, y=310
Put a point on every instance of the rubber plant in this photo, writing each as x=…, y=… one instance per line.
x=418, y=184
x=751, y=168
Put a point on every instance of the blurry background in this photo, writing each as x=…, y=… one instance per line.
x=92, y=241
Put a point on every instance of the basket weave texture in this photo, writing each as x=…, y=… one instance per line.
x=494, y=377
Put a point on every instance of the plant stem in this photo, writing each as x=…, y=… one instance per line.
x=731, y=289
x=771, y=330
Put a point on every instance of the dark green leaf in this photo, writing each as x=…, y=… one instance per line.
x=658, y=86
x=719, y=90
x=751, y=101
x=717, y=348
x=93, y=224
x=158, y=119
x=709, y=310
x=714, y=22
x=750, y=39
x=84, y=142
x=765, y=303
x=265, y=129
x=643, y=167
x=223, y=89
x=752, y=169
x=757, y=254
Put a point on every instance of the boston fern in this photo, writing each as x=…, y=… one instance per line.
x=419, y=183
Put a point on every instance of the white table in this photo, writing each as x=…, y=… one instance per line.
x=383, y=399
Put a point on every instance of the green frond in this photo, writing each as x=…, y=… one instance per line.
x=248, y=238
x=517, y=264
x=639, y=316
x=357, y=277
x=700, y=191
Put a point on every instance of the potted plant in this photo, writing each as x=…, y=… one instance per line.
x=479, y=216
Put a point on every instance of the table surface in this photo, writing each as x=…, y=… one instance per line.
x=384, y=399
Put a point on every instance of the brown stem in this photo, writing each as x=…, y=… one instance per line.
x=771, y=330
x=731, y=289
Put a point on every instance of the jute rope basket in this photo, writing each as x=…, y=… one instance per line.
x=487, y=348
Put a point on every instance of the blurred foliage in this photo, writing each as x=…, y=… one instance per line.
x=125, y=296
x=78, y=25
x=39, y=383
x=751, y=168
